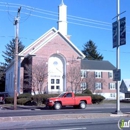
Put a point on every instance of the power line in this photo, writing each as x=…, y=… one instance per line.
x=113, y=51
x=72, y=17
x=101, y=22
x=89, y=22
x=90, y=26
x=68, y=21
x=19, y=37
x=56, y=14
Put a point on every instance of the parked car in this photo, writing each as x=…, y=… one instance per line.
x=68, y=99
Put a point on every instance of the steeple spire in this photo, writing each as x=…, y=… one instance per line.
x=62, y=20
x=62, y=2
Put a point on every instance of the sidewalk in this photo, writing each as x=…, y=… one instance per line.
x=55, y=117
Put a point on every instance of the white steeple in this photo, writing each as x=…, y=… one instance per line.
x=62, y=2
x=62, y=20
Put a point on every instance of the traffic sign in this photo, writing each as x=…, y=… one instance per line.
x=123, y=31
x=117, y=75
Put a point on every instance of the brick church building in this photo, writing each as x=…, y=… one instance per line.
x=53, y=53
x=53, y=64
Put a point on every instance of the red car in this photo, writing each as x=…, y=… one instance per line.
x=68, y=99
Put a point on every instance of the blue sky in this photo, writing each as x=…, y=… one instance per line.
x=95, y=25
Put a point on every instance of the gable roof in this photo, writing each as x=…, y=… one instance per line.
x=32, y=45
x=49, y=35
x=127, y=83
x=96, y=65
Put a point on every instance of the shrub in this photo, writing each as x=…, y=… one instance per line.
x=22, y=101
x=30, y=103
x=9, y=100
x=41, y=98
x=24, y=95
x=87, y=91
x=97, y=98
x=38, y=98
x=83, y=94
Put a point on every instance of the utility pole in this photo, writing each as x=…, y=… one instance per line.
x=16, y=23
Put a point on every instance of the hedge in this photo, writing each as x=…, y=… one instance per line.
x=41, y=98
x=22, y=101
x=24, y=95
x=87, y=91
x=9, y=100
x=26, y=99
x=97, y=98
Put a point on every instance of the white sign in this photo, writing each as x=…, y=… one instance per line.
x=117, y=75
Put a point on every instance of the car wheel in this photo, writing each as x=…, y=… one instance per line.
x=57, y=106
x=82, y=105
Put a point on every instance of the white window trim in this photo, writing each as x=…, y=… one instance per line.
x=98, y=86
x=110, y=74
x=112, y=95
x=112, y=86
x=83, y=85
x=98, y=74
x=83, y=73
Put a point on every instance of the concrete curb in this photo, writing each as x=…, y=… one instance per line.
x=54, y=117
x=60, y=117
x=120, y=115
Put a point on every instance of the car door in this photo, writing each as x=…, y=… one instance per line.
x=68, y=99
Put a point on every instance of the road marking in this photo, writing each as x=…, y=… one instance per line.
x=81, y=128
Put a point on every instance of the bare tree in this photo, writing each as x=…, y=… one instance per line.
x=74, y=76
x=37, y=75
x=91, y=80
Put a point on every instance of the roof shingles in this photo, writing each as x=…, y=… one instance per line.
x=96, y=65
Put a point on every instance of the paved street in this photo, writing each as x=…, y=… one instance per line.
x=94, y=117
x=106, y=123
x=40, y=113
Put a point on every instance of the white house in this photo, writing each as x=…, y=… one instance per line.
x=125, y=88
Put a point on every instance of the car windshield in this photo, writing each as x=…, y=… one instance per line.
x=61, y=95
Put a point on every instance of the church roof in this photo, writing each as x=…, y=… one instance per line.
x=44, y=39
x=96, y=65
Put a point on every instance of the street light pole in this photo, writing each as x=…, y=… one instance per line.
x=117, y=59
x=16, y=23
